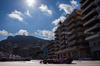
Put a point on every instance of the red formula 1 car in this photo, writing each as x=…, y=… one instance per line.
x=56, y=60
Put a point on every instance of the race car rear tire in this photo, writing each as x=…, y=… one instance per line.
x=45, y=62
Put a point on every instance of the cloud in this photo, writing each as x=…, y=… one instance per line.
x=45, y=33
x=27, y=13
x=74, y=3
x=22, y=32
x=46, y=38
x=54, y=29
x=4, y=33
x=45, y=9
x=17, y=12
x=48, y=35
x=16, y=15
x=68, y=8
x=61, y=18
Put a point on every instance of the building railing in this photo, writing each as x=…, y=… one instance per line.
x=56, y=48
x=63, y=28
x=80, y=34
x=55, y=45
x=72, y=43
x=93, y=34
x=71, y=26
x=80, y=28
x=70, y=21
x=71, y=37
x=80, y=40
x=91, y=27
x=92, y=3
x=62, y=46
x=62, y=38
x=62, y=42
x=93, y=10
x=90, y=20
x=72, y=31
x=78, y=23
x=96, y=1
x=71, y=48
x=84, y=3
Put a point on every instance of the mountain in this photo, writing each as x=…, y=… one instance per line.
x=20, y=38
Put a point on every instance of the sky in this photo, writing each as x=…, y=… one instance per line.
x=37, y=18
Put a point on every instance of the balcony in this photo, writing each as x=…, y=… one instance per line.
x=80, y=40
x=80, y=29
x=71, y=37
x=79, y=23
x=62, y=42
x=81, y=46
x=72, y=31
x=78, y=18
x=62, y=38
x=56, y=45
x=80, y=34
x=52, y=49
x=84, y=3
x=70, y=49
x=70, y=21
x=96, y=1
x=87, y=15
x=94, y=36
x=91, y=4
x=71, y=26
x=73, y=48
x=51, y=52
x=92, y=27
x=72, y=43
x=56, y=48
x=91, y=20
x=63, y=33
x=56, y=41
x=62, y=29
x=62, y=46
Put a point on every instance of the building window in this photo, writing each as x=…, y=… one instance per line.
x=66, y=37
x=99, y=43
x=99, y=12
x=94, y=44
x=59, y=46
x=66, y=42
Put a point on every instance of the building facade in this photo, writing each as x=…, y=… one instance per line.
x=78, y=46
x=61, y=40
x=91, y=12
x=51, y=49
x=70, y=37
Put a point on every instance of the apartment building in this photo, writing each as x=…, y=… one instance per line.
x=70, y=37
x=51, y=49
x=91, y=12
x=44, y=48
x=61, y=40
x=78, y=47
x=57, y=41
